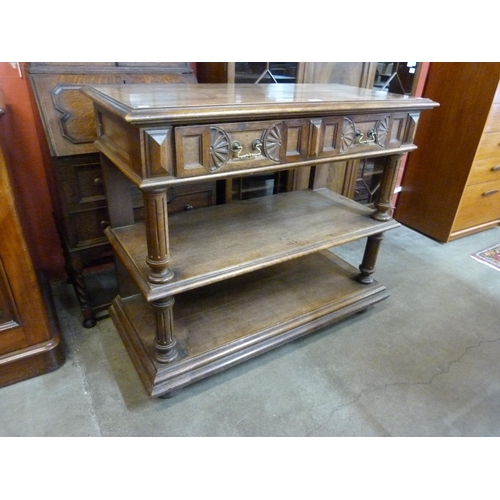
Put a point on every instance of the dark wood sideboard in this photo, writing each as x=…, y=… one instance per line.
x=30, y=340
x=202, y=290
x=74, y=171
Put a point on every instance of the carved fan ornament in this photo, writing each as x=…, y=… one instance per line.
x=382, y=130
x=348, y=135
x=272, y=142
x=219, y=148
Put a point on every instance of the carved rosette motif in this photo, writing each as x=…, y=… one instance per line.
x=219, y=148
x=348, y=136
x=382, y=131
x=272, y=142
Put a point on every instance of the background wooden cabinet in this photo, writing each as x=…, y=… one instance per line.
x=451, y=186
x=74, y=170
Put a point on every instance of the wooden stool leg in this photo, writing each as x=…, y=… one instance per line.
x=165, y=342
x=367, y=267
x=157, y=235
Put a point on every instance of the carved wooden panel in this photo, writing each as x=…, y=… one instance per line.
x=201, y=150
x=158, y=151
x=74, y=109
x=67, y=115
x=411, y=127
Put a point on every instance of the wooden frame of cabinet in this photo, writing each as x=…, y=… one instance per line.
x=204, y=290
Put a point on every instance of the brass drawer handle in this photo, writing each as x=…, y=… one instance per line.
x=98, y=182
x=237, y=148
x=489, y=193
x=496, y=169
x=372, y=137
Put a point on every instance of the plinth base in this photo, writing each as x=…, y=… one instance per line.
x=226, y=323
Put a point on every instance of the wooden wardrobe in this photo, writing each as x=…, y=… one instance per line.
x=30, y=342
x=451, y=186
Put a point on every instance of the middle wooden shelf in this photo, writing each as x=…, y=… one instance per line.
x=220, y=242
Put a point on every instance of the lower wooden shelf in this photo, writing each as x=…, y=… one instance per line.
x=225, y=323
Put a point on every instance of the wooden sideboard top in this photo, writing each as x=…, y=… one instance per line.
x=141, y=103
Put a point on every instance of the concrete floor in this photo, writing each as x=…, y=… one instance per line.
x=425, y=362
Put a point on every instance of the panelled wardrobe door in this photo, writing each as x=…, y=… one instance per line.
x=30, y=342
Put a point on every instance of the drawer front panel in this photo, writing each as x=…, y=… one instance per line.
x=480, y=204
x=336, y=136
x=82, y=185
x=182, y=198
x=202, y=150
x=86, y=228
x=205, y=149
x=485, y=170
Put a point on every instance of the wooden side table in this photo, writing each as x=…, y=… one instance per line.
x=204, y=290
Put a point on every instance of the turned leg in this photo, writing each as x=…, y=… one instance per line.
x=383, y=205
x=82, y=295
x=367, y=267
x=165, y=342
x=155, y=201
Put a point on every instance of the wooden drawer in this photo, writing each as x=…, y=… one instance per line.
x=86, y=227
x=334, y=136
x=182, y=198
x=480, y=204
x=206, y=149
x=484, y=171
x=81, y=183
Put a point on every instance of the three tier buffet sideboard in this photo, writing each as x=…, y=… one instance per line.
x=205, y=289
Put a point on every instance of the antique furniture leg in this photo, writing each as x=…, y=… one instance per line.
x=78, y=282
x=383, y=205
x=73, y=266
x=165, y=342
x=155, y=201
x=367, y=267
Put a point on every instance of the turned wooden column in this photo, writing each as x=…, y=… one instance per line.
x=367, y=267
x=387, y=184
x=155, y=201
x=165, y=342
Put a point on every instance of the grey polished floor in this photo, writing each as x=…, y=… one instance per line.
x=426, y=362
